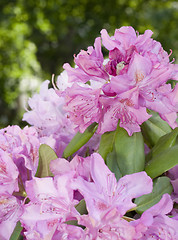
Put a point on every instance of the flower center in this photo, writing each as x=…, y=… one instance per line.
x=119, y=67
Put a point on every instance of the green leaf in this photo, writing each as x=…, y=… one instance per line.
x=107, y=143
x=16, y=233
x=81, y=207
x=154, y=128
x=130, y=152
x=72, y=222
x=163, y=143
x=108, y=152
x=161, y=186
x=162, y=162
x=79, y=140
x=111, y=162
x=46, y=155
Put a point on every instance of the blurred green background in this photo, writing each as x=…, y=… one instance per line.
x=38, y=37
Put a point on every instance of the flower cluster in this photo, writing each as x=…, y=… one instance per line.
x=53, y=200
x=123, y=86
x=18, y=164
x=51, y=121
x=46, y=114
x=108, y=180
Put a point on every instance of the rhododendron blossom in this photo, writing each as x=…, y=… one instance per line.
x=83, y=106
x=10, y=211
x=76, y=174
x=135, y=61
x=52, y=202
x=50, y=120
x=154, y=224
x=8, y=173
x=104, y=193
x=22, y=146
x=18, y=163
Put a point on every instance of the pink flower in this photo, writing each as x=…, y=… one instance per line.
x=90, y=65
x=63, y=232
x=63, y=81
x=18, y=162
x=78, y=165
x=10, y=212
x=22, y=145
x=51, y=203
x=149, y=81
x=125, y=40
x=118, y=63
x=8, y=173
x=172, y=99
x=142, y=73
x=50, y=120
x=83, y=106
x=106, y=200
x=122, y=39
x=154, y=224
x=110, y=226
x=70, y=232
x=135, y=62
x=124, y=108
x=105, y=193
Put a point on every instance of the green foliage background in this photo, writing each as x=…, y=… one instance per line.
x=37, y=37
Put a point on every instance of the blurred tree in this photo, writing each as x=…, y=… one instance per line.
x=44, y=34
x=17, y=59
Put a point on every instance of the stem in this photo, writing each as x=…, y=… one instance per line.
x=128, y=219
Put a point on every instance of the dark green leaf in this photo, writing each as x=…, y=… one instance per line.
x=154, y=128
x=81, y=207
x=46, y=155
x=17, y=230
x=111, y=162
x=106, y=143
x=163, y=143
x=161, y=186
x=79, y=140
x=130, y=152
x=72, y=222
x=162, y=162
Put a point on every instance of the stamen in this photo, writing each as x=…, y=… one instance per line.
x=170, y=53
x=173, y=60
x=53, y=83
x=128, y=219
x=41, y=207
x=119, y=67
